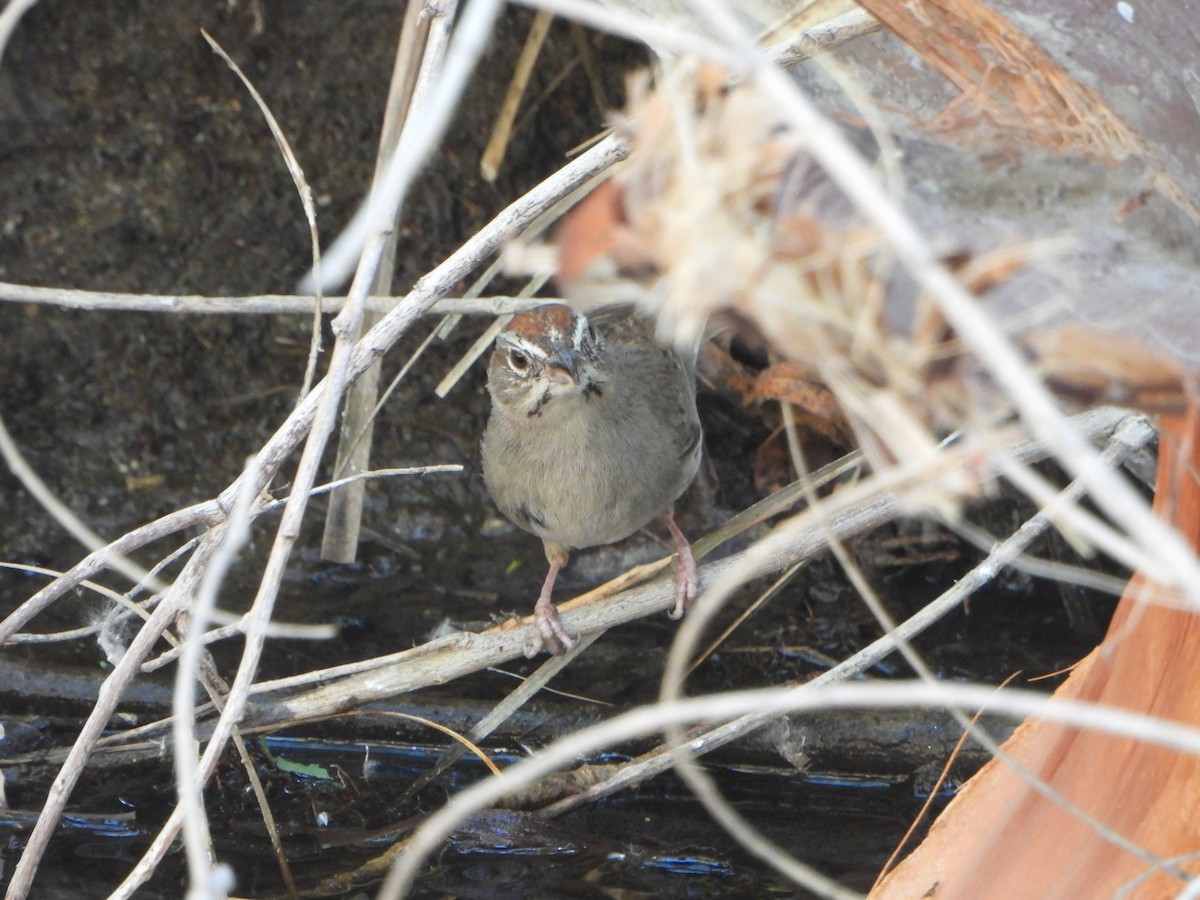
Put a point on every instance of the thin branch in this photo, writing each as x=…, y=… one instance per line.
x=497, y=145
x=407, y=95
x=200, y=515
x=513, y=701
x=892, y=695
x=106, y=702
x=824, y=36
x=306, y=202
x=61, y=513
x=9, y=17
x=470, y=38
x=196, y=838
x=208, y=513
x=851, y=510
x=257, y=304
x=664, y=758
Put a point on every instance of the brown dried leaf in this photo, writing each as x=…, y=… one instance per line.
x=772, y=466
x=1097, y=366
x=813, y=403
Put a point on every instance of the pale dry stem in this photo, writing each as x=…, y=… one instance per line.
x=775, y=701
x=407, y=95
x=263, y=304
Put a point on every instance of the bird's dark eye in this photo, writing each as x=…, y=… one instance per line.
x=518, y=361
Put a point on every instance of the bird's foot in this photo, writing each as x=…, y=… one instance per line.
x=687, y=584
x=549, y=633
x=687, y=579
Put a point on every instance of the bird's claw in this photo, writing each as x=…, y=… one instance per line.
x=549, y=633
x=687, y=585
x=687, y=579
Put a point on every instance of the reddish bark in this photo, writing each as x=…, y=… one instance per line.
x=1002, y=839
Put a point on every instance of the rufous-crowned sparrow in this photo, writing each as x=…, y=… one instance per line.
x=593, y=433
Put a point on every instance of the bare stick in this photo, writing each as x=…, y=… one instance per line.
x=493, y=154
x=517, y=698
x=849, y=511
x=471, y=36
x=261, y=304
x=9, y=17
x=106, y=701
x=893, y=695
x=838, y=30
x=128, y=607
x=306, y=201
x=197, y=841
x=62, y=514
x=419, y=57
x=208, y=513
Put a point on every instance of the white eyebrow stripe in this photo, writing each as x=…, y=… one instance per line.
x=532, y=349
x=581, y=325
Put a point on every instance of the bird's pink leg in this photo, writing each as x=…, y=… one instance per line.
x=687, y=579
x=550, y=635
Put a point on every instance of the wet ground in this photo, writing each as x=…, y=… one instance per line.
x=133, y=161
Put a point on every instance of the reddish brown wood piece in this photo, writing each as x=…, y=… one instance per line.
x=1001, y=839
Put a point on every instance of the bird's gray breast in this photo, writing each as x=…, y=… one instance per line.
x=597, y=470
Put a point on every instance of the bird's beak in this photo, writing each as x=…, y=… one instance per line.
x=563, y=367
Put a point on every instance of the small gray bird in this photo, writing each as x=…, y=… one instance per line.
x=593, y=433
